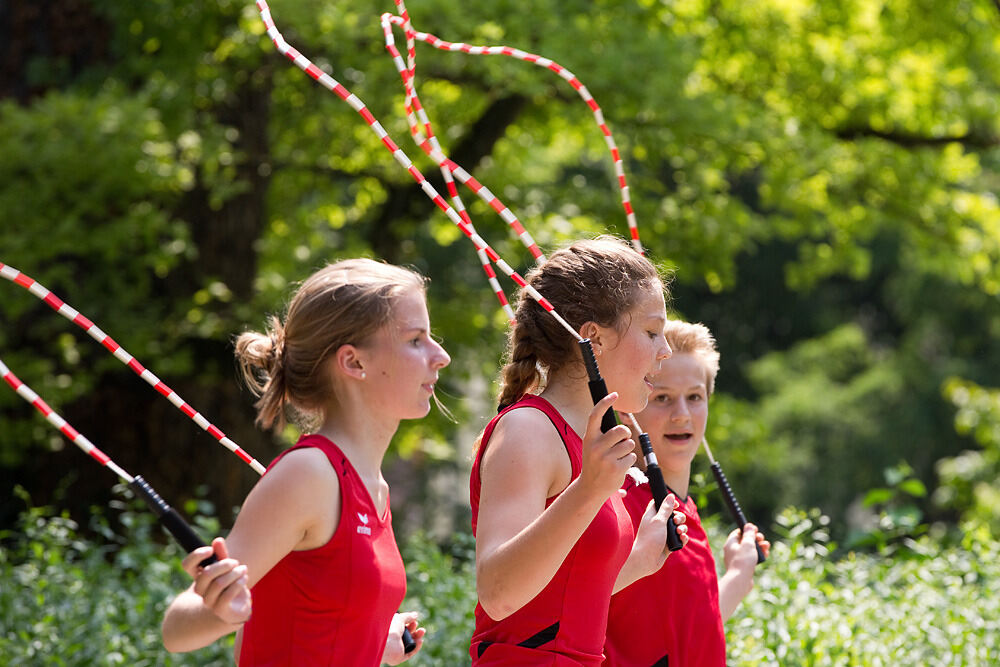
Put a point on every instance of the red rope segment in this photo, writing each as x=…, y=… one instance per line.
x=95, y=332
x=534, y=59
x=429, y=143
x=77, y=438
x=334, y=86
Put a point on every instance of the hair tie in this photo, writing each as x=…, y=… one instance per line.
x=277, y=351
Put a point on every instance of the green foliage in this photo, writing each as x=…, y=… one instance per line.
x=936, y=604
x=70, y=600
x=898, y=519
x=441, y=584
x=835, y=411
x=969, y=480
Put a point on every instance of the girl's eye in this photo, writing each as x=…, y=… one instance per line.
x=660, y=398
x=415, y=342
x=695, y=397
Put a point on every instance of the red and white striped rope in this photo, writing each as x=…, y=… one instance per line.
x=428, y=142
x=355, y=103
x=77, y=438
x=95, y=332
x=540, y=61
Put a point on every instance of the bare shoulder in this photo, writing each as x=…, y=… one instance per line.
x=302, y=490
x=303, y=471
x=525, y=442
x=293, y=507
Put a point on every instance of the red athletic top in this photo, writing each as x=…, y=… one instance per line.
x=564, y=624
x=672, y=616
x=331, y=605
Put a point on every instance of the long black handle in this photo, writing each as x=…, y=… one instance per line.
x=598, y=390
x=734, y=505
x=659, y=489
x=169, y=517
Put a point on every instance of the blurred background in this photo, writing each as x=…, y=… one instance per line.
x=820, y=177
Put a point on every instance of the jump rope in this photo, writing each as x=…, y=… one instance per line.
x=168, y=516
x=425, y=138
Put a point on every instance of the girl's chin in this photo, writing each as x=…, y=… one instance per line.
x=421, y=412
x=632, y=403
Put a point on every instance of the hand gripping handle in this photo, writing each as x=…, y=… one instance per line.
x=734, y=506
x=598, y=390
x=169, y=517
x=659, y=489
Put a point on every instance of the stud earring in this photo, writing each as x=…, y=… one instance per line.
x=363, y=375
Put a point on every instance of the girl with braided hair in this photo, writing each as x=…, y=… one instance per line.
x=313, y=546
x=553, y=539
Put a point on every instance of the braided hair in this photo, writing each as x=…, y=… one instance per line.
x=597, y=280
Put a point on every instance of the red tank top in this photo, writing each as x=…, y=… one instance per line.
x=672, y=616
x=564, y=624
x=331, y=605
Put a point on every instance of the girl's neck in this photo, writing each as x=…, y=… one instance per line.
x=679, y=482
x=568, y=393
x=362, y=437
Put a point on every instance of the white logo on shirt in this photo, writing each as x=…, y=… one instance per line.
x=364, y=530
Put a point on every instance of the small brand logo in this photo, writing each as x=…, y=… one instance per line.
x=364, y=529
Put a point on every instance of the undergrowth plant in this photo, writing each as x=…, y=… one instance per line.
x=70, y=598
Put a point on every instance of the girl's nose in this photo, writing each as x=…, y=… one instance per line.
x=441, y=358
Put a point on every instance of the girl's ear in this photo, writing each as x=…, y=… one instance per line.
x=589, y=330
x=349, y=362
x=592, y=330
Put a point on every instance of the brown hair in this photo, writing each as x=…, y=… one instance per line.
x=597, y=280
x=342, y=303
x=695, y=339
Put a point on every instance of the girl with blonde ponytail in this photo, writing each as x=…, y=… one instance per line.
x=553, y=539
x=310, y=573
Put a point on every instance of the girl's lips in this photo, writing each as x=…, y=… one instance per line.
x=679, y=437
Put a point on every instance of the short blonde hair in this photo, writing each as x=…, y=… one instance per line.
x=696, y=339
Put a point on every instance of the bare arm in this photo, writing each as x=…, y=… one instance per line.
x=740, y=556
x=296, y=506
x=520, y=544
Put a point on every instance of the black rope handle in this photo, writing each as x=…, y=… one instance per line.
x=734, y=505
x=598, y=390
x=170, y=519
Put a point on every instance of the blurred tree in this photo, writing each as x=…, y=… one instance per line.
x=820, y=175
